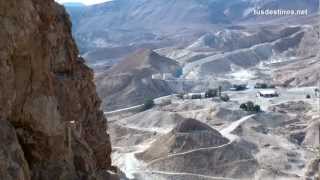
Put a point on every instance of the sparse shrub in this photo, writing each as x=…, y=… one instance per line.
x=243, y=106
x=180, y=96
x=225, y=98
x=148, y=104
x=250, y=106
x=257, y=108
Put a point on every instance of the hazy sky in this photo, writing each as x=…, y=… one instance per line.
x=87, y=2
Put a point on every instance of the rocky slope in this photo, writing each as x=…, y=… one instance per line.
x=282, y=42
x=187, y=135
x=129, y=82
x=304, y=71
x=50, y=123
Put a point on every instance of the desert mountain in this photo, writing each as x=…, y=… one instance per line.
x=304, y=71
x=187, y=135
x=200, y=148
x=279, y=43
x=129, y=82
x=212, y=56
x=120, y=23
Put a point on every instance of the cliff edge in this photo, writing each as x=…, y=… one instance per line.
x=50, y=123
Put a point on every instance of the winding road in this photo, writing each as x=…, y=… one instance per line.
x=132, y=165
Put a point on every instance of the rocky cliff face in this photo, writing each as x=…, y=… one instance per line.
x=50, y=123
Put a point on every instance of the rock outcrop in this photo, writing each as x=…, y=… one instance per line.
x=50, y=123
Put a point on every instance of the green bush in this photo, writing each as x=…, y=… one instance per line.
x=257, y=108
x=250, y=107
x=243, y=106
x=148, y=104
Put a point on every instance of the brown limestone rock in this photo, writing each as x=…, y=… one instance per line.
x=47, y=94
x=13, y=165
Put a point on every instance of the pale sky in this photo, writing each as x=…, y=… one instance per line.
x=87, y=2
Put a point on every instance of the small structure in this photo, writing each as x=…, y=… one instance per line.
x=157, y=76
x=163, y=76
x=268, y=93
x=167, y=76
x=264, y=86
x=194, y=96
x=316, y=92
x=238, y=87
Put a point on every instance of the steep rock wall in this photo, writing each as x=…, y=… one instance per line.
x=49, y=109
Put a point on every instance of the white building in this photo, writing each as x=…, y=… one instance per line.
x=167, y=76
x=157, y=76
x=194, y=96
x=164, y=76
x=268, y=93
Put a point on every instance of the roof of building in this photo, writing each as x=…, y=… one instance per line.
x=268, y=91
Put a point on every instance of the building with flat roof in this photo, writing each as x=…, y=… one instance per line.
x=268, y=93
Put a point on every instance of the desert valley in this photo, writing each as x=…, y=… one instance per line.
x=156, y=63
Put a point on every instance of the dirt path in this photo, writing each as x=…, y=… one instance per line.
x=194, y=176
x=131, y=165
x=227, y=132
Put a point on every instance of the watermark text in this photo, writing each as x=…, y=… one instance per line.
x=280, y=12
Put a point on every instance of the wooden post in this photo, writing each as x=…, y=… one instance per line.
x=69, y=139
x=67, y=136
